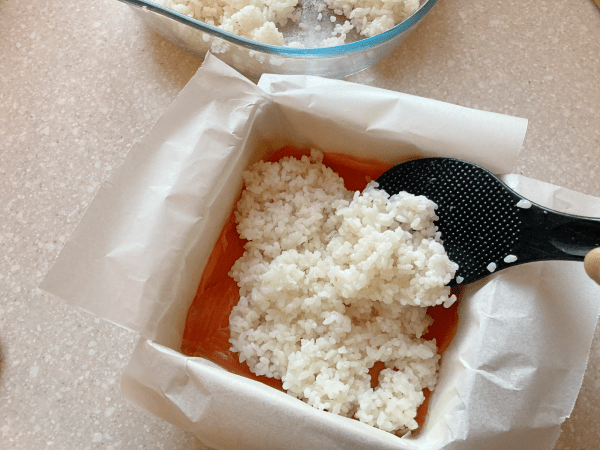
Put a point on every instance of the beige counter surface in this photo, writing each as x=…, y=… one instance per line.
x=81, y=81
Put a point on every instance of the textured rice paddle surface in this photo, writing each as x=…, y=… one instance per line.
x=333, y=281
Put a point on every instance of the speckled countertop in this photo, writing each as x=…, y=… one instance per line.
x=81, y=81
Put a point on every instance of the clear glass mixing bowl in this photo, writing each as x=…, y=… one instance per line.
x=253, y=58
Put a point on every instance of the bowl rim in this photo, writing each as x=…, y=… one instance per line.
x=278, y=50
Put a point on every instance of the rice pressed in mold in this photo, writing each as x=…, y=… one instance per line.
x=333, y=281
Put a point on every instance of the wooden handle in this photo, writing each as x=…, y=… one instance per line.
x=592, y=263
x=597, y=2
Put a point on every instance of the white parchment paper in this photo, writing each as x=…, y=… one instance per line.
x=511, y=374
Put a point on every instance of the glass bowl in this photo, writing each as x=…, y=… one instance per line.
x=253, y=58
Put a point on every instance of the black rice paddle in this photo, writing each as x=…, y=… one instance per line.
x=483, y=229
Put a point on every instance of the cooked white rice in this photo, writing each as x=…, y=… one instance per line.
x=525, y=204
x=333, y=281
x=260, y=20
